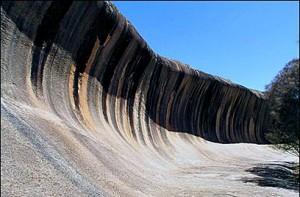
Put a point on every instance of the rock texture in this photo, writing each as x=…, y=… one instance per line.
x=89, y=109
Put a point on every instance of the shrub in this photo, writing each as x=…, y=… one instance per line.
x=283, y=103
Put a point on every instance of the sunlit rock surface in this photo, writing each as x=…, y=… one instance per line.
x=88, y=109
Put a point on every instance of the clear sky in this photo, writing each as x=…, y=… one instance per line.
x=245, y=42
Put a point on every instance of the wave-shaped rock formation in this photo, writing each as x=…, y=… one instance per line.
x=89, y=109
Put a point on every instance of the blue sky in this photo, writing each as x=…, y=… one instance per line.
x=245, y=42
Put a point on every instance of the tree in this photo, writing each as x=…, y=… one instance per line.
x=284, y=108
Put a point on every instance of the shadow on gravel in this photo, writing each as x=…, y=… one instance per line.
x=274, y=175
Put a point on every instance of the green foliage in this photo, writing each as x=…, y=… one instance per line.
x=284, y=108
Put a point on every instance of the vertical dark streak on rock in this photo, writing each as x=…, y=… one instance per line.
x=153, y=93
x=109, y=71
x=84, y=52
x=46, y=33
x=134, y=79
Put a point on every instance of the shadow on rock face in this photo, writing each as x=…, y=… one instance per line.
x=274, y=175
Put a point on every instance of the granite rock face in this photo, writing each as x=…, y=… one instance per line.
x=86, y=94
x=87, y=57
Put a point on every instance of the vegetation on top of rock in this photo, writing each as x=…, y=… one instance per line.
x=284, y=108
